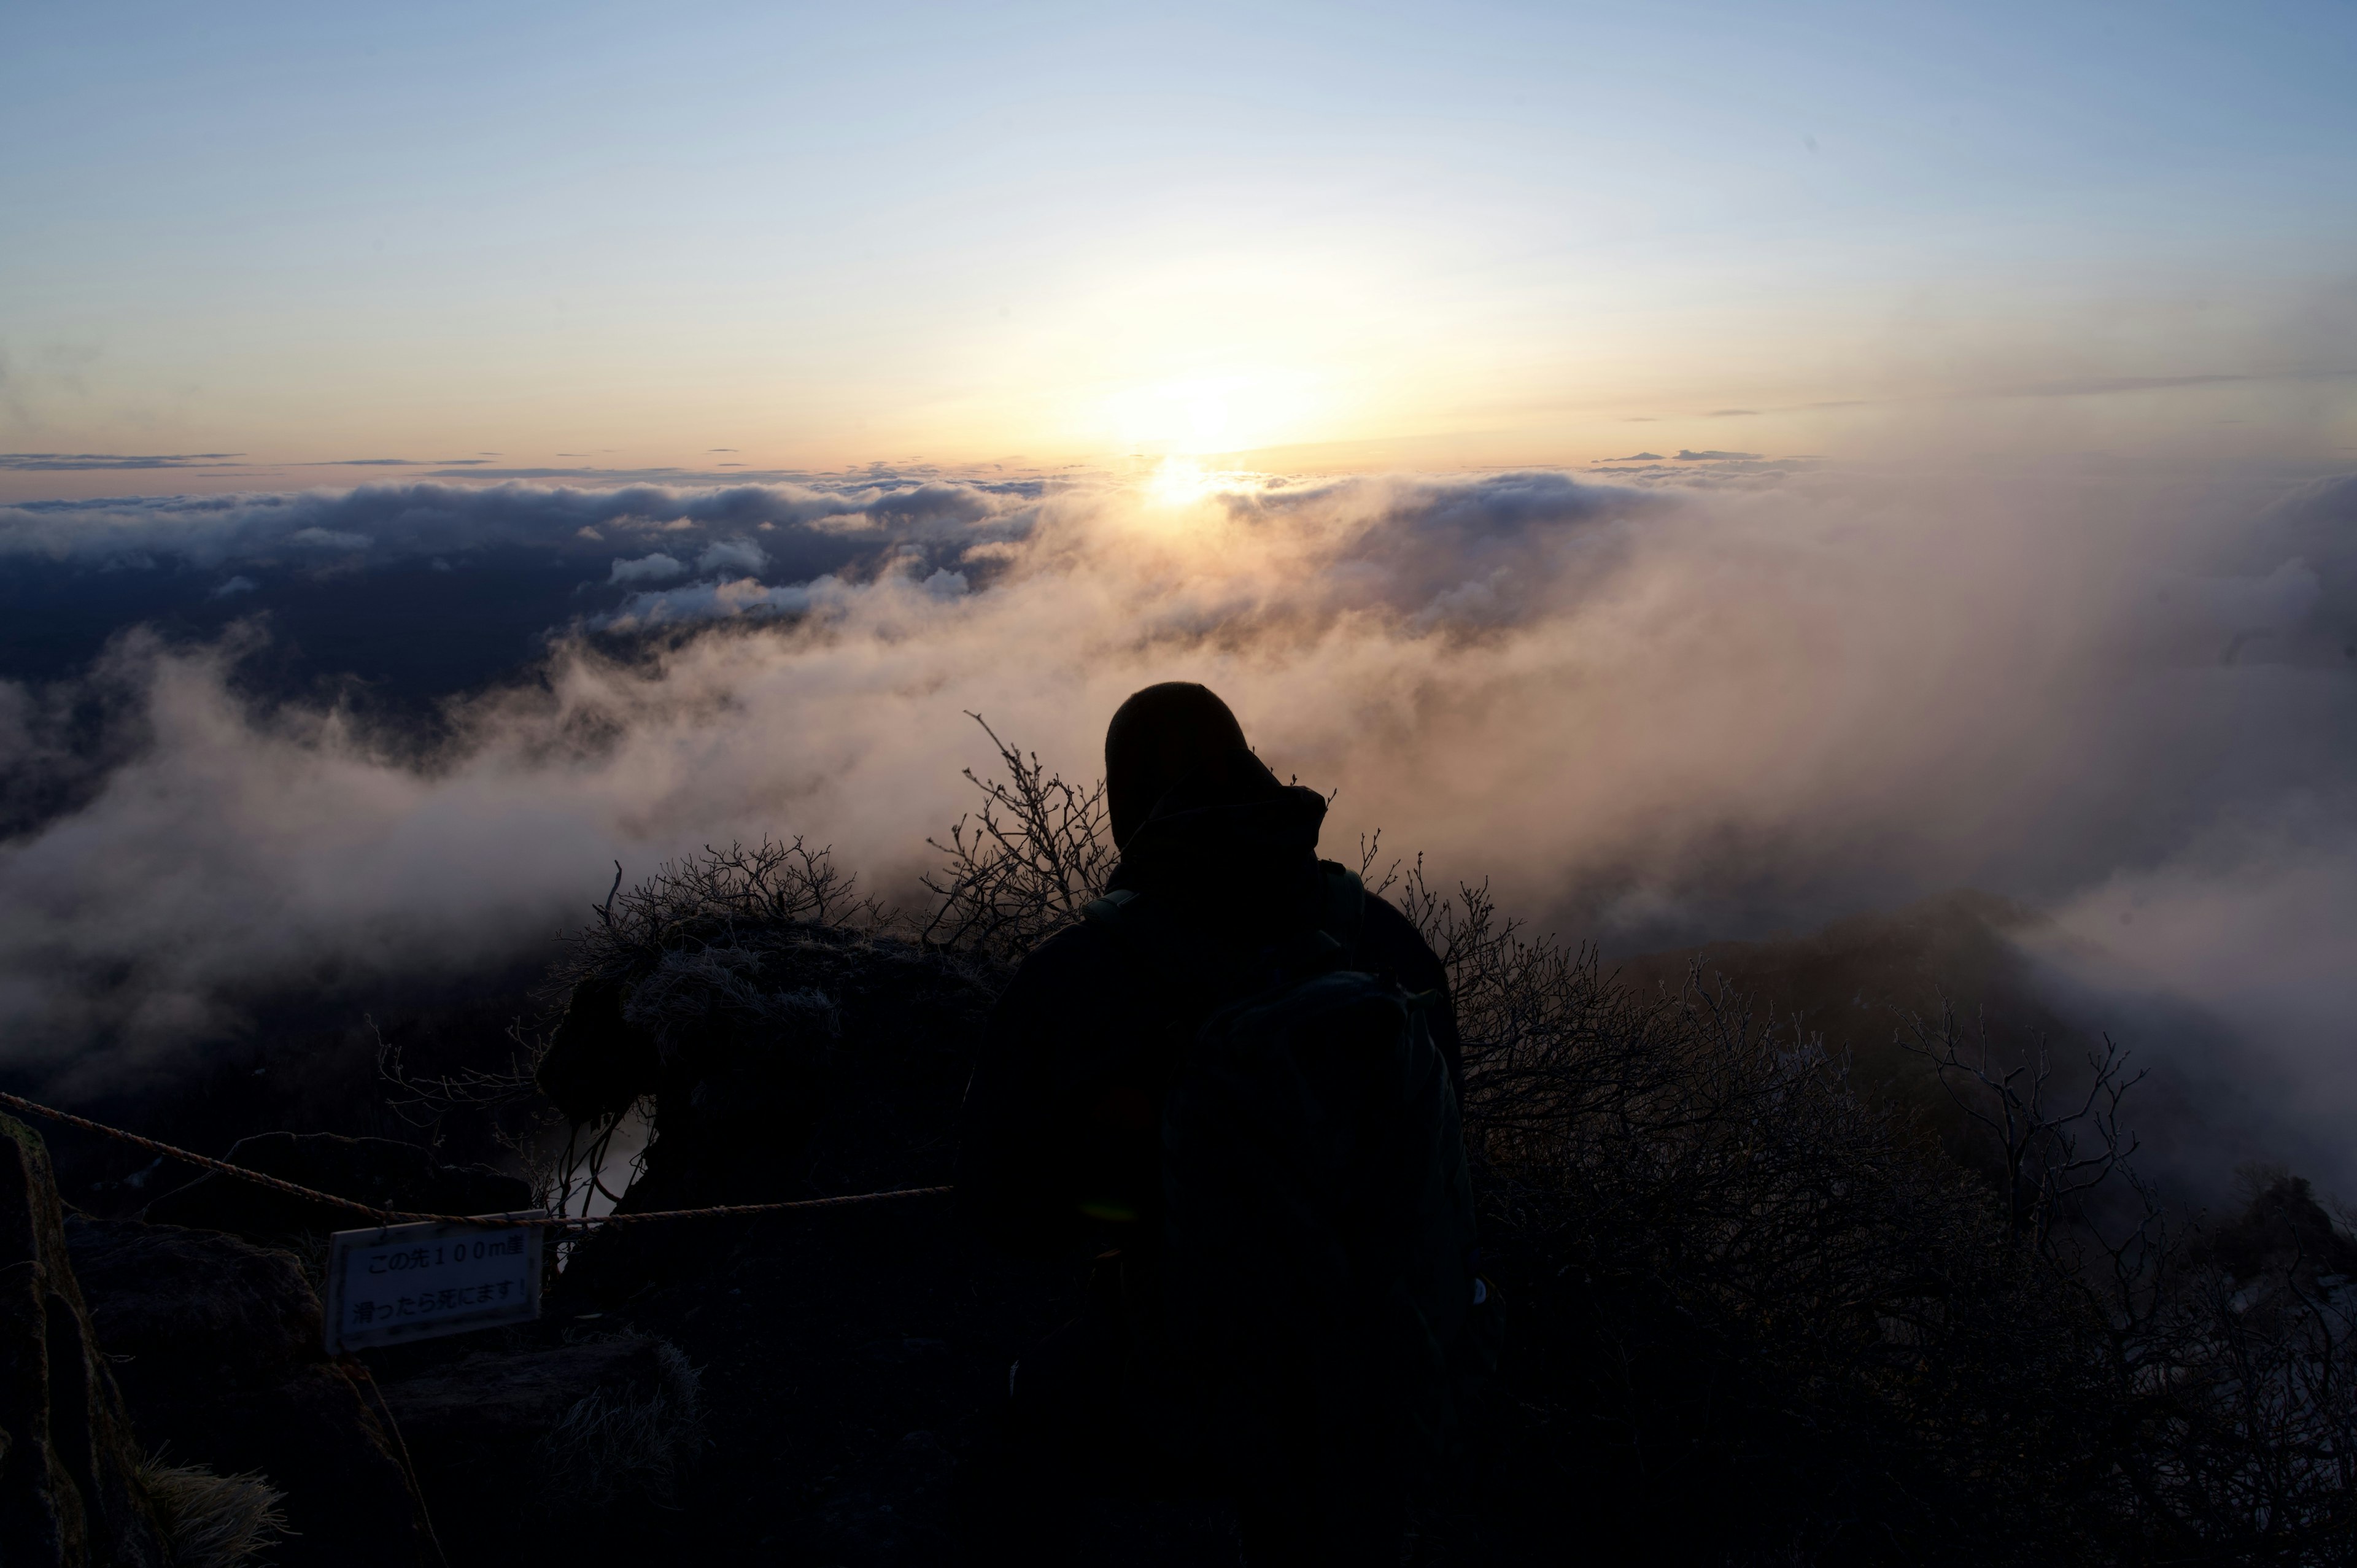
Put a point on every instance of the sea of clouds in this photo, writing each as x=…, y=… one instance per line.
x=1649, y=712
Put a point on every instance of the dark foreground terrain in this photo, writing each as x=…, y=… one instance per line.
x=1756, y=1316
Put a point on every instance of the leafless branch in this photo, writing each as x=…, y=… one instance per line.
x=1026, y=862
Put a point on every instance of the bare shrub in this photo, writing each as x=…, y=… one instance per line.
x=2261, y=1450
x=2233, y=1345
x=1756, y=1310
x=702, y=901
x=1738, y=1271
x=1037, y=853
x=212, y=1521
x=2054, y=1155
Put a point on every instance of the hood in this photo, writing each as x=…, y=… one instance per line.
x=1229, y=833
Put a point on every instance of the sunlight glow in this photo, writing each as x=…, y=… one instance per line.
x=1178, y=481
x=1199, y=415
x=1183, y=481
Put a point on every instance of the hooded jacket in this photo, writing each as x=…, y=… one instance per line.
x=1063, y=1137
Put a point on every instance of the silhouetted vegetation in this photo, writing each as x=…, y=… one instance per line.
x=1026, y=862
x=1758, y=1313
x=1761, y=1314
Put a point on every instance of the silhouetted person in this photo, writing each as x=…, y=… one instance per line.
x=1238, y=1078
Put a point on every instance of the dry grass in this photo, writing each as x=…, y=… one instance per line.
x=613, y=1444
x=213, y=1521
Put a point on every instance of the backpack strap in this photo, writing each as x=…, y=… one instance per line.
x=1346, y=918
x=1106, y=912
x=1344, y=915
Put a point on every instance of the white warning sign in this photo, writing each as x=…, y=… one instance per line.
x=388, y=1283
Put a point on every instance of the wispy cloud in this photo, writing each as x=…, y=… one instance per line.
x=399, y=463
x=103, y=462
x=732, y=556
x=654, y=568
x=2106, y=386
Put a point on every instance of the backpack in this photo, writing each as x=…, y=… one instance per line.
x=1315, y=1277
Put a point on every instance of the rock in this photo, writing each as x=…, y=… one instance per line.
x=489, y=1404
x=809, y=1062
x=380, y=1171
x=71, y=1495
x=599, y=1062
x=2284, y=1232
x=193, y=1307
x=218, y=1343
x=537, y=1448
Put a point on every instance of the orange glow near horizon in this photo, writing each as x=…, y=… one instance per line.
x=1183, y=482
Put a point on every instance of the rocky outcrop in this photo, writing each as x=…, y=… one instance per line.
x=792, y=1062
x=379, y=1172
x=531, y=1449
x=71, y=1495
x=219, y=1347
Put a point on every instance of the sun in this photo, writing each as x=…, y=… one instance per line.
x=1181, y=481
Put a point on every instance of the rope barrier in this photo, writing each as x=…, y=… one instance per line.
x=401, y=1216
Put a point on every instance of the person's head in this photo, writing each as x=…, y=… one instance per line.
x=1157, y=737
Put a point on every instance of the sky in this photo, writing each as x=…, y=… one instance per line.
x=240, y=241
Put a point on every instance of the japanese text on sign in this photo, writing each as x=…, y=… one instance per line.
x=415, y=1282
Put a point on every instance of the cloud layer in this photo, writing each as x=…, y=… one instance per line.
x=1652, y=715
x=392, y=522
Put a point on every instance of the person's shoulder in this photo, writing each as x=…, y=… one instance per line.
x=1386, y=917
x=1078, y=955
x=1391, y=936
x=1082, y=941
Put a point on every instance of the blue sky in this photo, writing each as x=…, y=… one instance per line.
x=1044, y=235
